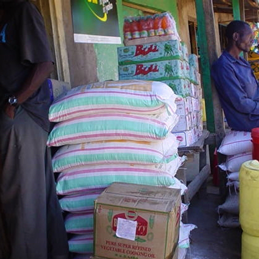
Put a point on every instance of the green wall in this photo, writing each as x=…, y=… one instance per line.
x=106, y=54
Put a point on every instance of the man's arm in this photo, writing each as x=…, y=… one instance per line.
x=231, y=91
x=37, y=76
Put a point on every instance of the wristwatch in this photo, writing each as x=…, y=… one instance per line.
x=13, y=101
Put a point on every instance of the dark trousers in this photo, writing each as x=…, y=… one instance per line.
x=30, y=215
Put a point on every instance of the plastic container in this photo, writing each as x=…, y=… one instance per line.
x=150, y=25
x=143, y=26
x=159, y=31
x=249, y=194
x=135, y=30
x=250, y=247
x=127, y=29
x=168, y=24
x=255, y=140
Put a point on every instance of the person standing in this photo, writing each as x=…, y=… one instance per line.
x=234, y=79
x=31, y=220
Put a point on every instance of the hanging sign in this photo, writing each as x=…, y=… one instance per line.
x=95, y=21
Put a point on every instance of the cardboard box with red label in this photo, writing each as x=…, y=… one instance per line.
x=155, y=51
x=158, y=71
x=137, y=221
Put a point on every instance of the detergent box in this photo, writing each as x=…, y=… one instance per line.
x=156, y=51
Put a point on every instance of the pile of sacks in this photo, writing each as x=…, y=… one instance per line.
x=113, y=131
x=237, y=146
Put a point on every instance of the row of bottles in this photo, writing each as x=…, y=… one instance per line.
x=148, y=26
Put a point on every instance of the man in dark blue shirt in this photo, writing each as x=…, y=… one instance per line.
x=235, y=81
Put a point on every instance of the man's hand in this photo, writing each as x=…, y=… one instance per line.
x=9, y=110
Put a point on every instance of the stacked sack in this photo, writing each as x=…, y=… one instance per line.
x=113, y=131
x=168, y=61
x=237, y=146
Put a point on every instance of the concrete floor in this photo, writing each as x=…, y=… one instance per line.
x=209, y=241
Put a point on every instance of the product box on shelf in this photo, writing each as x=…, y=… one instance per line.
x=196, y=104
x=194, y=76
x=193, y=61
x=196, y=91
x=184, y=105
x=186, y=138
x=159, y=71
x=180, y=87
x=132, y=221
x=156, y=51
x=184, y=123
x=185, y=51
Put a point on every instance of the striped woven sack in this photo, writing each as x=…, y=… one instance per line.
x=85, y=178
x=131, y=96
x=116, y=152
x=103, y=127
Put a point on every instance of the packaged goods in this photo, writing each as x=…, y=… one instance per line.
x=115, y=152
x=159, y=71
x=193, y=61
x=228, y=220
x=194, y=76
x=231, y=205
x=144, y=53
x=159, y=31
x=103, y=127
x=134, y=220
x=127, y=29
x=184, y=123
x=81, y=244
x=184, y=106
x=75, y=180
x=186, y=138
x=149, y=27
x=180, y=87
x=144, y=26
x=196, y=104
x=185, y=230
x=185, y=51
x=132, y=96
x=233, y=163
x=236, y=142
x=168, y=24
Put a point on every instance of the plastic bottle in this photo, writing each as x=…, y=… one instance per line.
x=168, y=24
x=150, y=26
x=127, y=29
x=135, y=30
x=158, y=25
x=255, y=140
x=143, y=26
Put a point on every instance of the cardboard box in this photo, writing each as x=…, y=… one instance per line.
x=184, y=123
x=137, y=221
x=183, y=105
x=159, y=71
x=152, y=39
x=57, y=88
x=185, y=51
x=195, y=77
x=156, y=51
x=193, y=61
x=186, y=138
x=180, y=87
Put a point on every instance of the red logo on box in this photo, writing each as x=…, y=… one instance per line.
x=142, y=224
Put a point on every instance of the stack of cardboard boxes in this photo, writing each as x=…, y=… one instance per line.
x=169, y=62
